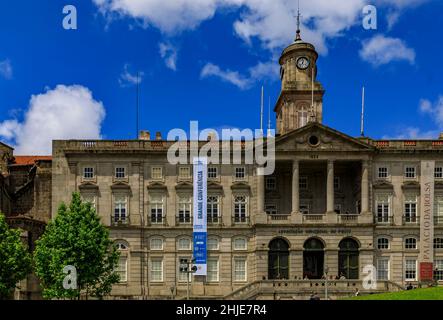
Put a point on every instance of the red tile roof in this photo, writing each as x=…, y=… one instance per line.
x=29, y=160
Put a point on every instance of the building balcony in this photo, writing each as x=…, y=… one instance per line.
x=314, y=218
x=348, y=218
x=411, y=220
x=156, y=220
x=384, y=220
x=120, y=221
x=214, y=221
x=240, y=220
x=184, y=220
x=279, y=218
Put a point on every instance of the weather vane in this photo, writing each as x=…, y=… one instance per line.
x=298, y=37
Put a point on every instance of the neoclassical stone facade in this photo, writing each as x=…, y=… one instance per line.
x=334, y=206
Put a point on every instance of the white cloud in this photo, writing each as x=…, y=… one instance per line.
x=6, y=69
x=127, y=78
x=257, y=73
x=233, y=77
x=432, y=109
x=66, y=112
x=414, y=133
x=435, y=110
x=380, y=50
x=168, y=52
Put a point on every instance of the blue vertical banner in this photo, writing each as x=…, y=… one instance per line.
x=200, y=213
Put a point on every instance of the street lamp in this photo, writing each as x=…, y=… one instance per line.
x=326, y=282
x=187, y=267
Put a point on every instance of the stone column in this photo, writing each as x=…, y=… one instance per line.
x=364, y=187
x=330, y=187
x=295, y=187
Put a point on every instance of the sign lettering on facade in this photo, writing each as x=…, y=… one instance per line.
x=199, y=214
x=426, y=257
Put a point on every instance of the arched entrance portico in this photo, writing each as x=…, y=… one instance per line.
x=278, y=259
x=348, y=257
x=313, y=259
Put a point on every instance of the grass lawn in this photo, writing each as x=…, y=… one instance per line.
x=435, y=293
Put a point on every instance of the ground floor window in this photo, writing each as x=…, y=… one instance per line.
x=411, y=270
x=212, y=270
x=348, y=257
x=383, y=269
x=438, y=270
x=122, y=269
x=240, y=269
x=182, y=275
x=157, y=270
x=278, y=259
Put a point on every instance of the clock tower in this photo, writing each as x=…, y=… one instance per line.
x=301, y=96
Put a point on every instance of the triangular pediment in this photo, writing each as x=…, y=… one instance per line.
x=317, y=137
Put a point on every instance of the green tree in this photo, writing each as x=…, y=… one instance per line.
x=76, y=238
x=15, y=261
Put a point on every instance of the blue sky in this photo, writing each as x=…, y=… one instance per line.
x=57, y=83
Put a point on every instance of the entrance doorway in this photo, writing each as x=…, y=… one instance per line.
x=348, y=257
x=278, y=259
x=313, y=259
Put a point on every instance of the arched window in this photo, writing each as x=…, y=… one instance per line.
x=212, y=243
x=122, y=266
x=382, y=243
x=156, y=243
x=410, y=243
x=278, y=259
x=184, y=244
x=313, y=259
x=348, y=257
x=240, y=243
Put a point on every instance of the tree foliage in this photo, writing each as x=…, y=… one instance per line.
x=15, y=261
x=76, y=238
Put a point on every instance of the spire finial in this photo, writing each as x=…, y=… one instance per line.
x=298, y=37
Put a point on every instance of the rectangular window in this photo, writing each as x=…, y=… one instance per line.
x=411, y=243
x=213, y=209
x=91, y=198
x=212, y=270
x=88, y=173
x=157, y=270
x=438, y=243
x=184, y=244
x=382, y=172
x=438, y=172
x=410, y=209
x=184, y=209
x=120, y=209
x=271, y=183
x=411, y=270
x=304, y=208
x=303, y=183
x=383, y=209
x=184, y=172
x=382, y=243
x=383, y=269
x=240, y=209
x=239, y=269
x=157, y=209
x=240, y=173
x=122, y=269
x=212, y=173
x=120, y=173
x=240, y=244
x=438, y=209
x=438, y=270
x=302, y=118
x=157, y=173
x=271, y=208
x=336, y=183
x=410, y=172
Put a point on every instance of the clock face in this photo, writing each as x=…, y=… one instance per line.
x=303, y=63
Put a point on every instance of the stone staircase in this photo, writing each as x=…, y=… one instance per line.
x=302, y=289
